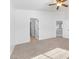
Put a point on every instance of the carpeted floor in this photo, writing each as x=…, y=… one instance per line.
x=29, y=50
x=56, y=53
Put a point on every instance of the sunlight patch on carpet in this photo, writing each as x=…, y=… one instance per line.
x=57, y=53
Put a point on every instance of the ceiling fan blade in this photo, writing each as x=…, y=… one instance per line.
x=57, y=7
x=64, y=5
x=52, y=4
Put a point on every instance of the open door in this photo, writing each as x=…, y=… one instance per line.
x=59, y=30
x=34, y=29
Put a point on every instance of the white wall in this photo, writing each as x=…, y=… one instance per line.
x=47, y=25
x=66, y=29
x=22, y=30
x=12, y=28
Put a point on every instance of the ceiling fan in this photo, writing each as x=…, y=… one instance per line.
x=59, y=3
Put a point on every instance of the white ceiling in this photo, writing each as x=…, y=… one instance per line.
x=35, y=5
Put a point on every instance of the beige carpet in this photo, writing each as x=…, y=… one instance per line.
x=30, y=50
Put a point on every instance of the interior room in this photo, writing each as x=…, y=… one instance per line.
x=39, y=27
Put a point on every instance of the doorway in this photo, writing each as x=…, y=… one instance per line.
x=34, y=29
x=59, y=30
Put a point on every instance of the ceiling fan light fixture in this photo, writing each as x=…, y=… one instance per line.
x=59, y=4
